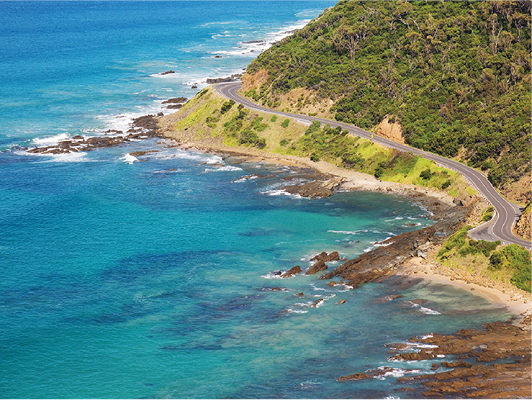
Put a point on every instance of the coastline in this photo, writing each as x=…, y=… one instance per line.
x=516, y=301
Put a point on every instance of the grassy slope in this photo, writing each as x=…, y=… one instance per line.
x=510, y=264
x=201, y=121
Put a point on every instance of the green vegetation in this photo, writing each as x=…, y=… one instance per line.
x=510, y=263
x=487, y=214
x=239, y=126
x=455, y=74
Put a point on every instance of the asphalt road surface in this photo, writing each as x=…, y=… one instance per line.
x=507, y=213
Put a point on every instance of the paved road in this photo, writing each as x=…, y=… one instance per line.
x=507, y=213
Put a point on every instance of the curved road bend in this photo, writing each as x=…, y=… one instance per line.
x=507, y=213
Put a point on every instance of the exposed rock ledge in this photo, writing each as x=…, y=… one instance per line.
x=396, y=250
x=523, y=227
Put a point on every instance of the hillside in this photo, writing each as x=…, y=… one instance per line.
x=209, y=121
x=448, y=77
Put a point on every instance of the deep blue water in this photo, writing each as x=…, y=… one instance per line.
x=154, y=279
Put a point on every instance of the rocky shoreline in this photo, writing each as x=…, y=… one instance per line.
x=391, y=259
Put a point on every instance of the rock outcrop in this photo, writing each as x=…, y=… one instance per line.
x=394, y=251
x=319, y=188
x=141, y=128
x=523, y=227
x=390, y=129
x=292, y=271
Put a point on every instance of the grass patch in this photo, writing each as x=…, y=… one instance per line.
x=504, y=263
x=210, y=115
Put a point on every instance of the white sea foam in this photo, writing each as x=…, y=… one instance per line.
x=50, y=140
x=245, y=178
x=398, y=373
x=429, y=311
x=128, y=158
x=272, y=275
x=63, y=158
x=278, y=192
x=297, y=311
x=224, y=168
x=430, y=335
x=424, y=310
x=350, y=232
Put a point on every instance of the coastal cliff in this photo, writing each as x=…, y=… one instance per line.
x=523, y=227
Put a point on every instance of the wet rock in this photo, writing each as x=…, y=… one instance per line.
x=434, y=366
x=354, y=377
x=341, y=302
x=175, y=100
x=388, y=298
x=142, y=153
x=331, y=283
x=323, y=256
x=167, y=72
x=174, y=106
x=458, y=364
x=317, y=267
x=384, y=260
x=315, y=189
x=422, y=355
x=292, y=271
x=317, y=303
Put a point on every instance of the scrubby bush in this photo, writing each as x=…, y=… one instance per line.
x=285, y=123
x=425, y=174
x=227, y=106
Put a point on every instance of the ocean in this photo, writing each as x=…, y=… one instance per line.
x=157, y=279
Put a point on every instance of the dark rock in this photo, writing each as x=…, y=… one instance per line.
x=292, y=271
x=422, y=355
x=388, y=298
x=174, y=106
x=175, y=100
x=458, y=364
x=315, y=189
x=141, y=153
x=434, y=367
x=319, y=266
x=354, y=377
x=331, y=283
x=323, y=256
x=385, y=259
x=167, y=72
x=194, y=87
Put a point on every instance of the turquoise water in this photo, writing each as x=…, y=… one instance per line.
x=154, y=279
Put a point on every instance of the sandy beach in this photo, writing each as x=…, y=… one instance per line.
x=500, y=294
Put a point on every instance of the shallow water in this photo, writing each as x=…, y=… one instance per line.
x=126, y=279
x=123, y=280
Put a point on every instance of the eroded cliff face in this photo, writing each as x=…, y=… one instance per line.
x=523, y=227
x=391, y=130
